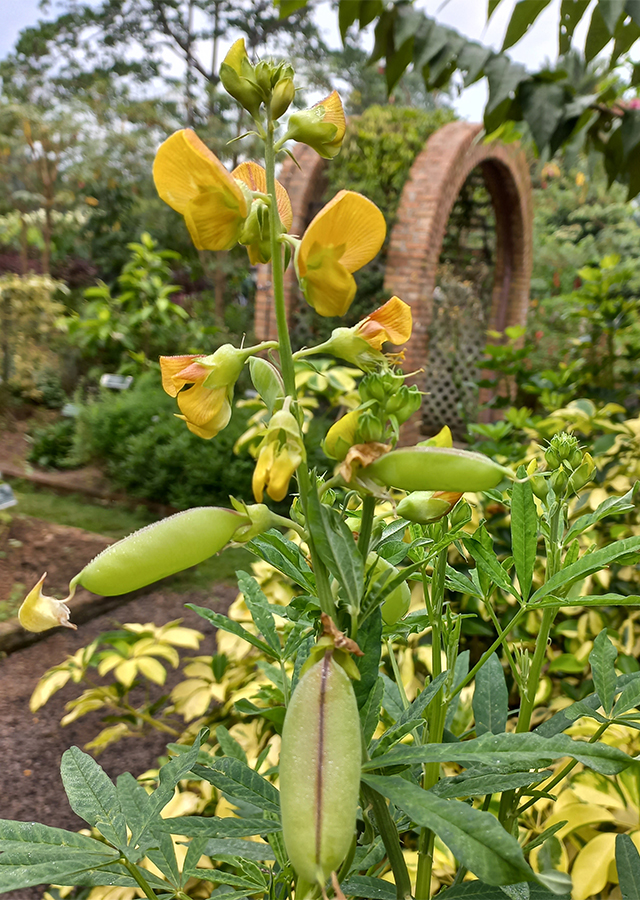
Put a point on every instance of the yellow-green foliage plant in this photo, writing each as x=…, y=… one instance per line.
x=375, y=788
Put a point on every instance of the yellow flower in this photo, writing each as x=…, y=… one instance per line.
x=39, y=612
x=342, y=435
x=362, y=344
x=346, y=234
x=280, y=454
x=194, y=182
x=321, y=127
x=206, y=404
x=255, y=233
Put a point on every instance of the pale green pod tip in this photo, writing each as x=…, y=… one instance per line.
x=164, y=548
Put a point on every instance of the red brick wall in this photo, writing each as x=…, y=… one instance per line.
x=436, y=178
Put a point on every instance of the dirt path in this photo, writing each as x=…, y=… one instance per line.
x=31, y=745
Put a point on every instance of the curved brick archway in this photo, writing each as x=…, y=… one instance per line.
x=428, y=196
x=306, y=187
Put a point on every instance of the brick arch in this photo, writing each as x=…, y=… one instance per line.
x=427, y=200
x=306, y=187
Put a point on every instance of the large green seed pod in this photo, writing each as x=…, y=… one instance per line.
x=161, y=549
x=437, y=469
x=320, y=765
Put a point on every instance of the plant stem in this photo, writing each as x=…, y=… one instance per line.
x=391, y=840
x=286, y=357
x=434, y=730
x=156, y=723
x=397, y=675
x=522, y=612
x=135, y=873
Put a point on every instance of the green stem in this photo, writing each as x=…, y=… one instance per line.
x=366, y=523
x=522, y=612
x=155, y=723
x=397, y=675
x=135, y=873
x=436, y=720
x=286, y=357
x=391, y=840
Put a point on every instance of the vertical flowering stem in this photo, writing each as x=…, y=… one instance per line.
x=286, y=356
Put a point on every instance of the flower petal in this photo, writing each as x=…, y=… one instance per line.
x=39, y=612
x=184, y=166
x=350, y=221
x=200, y=404
x=334, y=113
x=254, y=176
x=213, y=224
x=171, y=367
x=329, y=288
x=391, y=322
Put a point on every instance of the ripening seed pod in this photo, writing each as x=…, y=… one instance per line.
x=396, y=604
x=320, y=765
x=437, y=469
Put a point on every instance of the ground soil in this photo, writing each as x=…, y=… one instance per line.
x=29, y=547
x=31, y=745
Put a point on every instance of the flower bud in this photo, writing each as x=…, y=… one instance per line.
x=342, y=435
x=412, y=398
x=540, y=487
x=558, y=481
x=372, y=388
x=551, y=458
x=370, y=427
x=423, y=507
x=582, y=475
x=39, y=612
x=575, y=459
x=283, y=95
x=238, y=78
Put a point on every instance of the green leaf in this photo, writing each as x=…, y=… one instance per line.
x=267, y=381
x=227, y=624
x=417, y=708
x=285, y=556
x=216, y=826
x=571, y=12
x=598, y=35
x=370, y=712
x=628, y=699
x=632, y=7
x=371, y=888
x=456, y=581
x=289, y=6
x=236, y=779
x=493, y=4
x=524, y=533
x=628, y=865
x=258, y=606
x=461, y=670
x=475, y=890
x=469, y=784
x=92, y=795
x=472, y=60
x=221, y=847
x=543, y=108
x=490, y=698
x=602, y=659
x=334, y=543
x=16, y=835
x=589, y=564
x=347, y=14
x=487, y=562
x=612, y=506
x=60, y=871
x=164, y=857
x=428, y=43
x=475, y=838
x=169, y=776
x=229, y=745
x=630, y=131
x=522, y=18
x=503, y=77
x=370, y=642
x=521, y=750
x=592, y=600
x=134, y=802
x=611, y=10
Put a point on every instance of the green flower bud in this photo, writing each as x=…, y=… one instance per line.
x=238, y=79
x=369, y=428
x=425, y=507
x=558, y=481
x=551, y=457
x=283, y=95
x=540, y=487
x=582, y=475
x=575, y=458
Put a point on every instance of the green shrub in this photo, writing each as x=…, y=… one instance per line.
x=149, y=454
x=52, y=445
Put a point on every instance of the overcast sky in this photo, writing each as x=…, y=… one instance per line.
x=467, y=16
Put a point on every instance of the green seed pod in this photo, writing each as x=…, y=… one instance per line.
x=396, y=604
x=161, y=549
x=437, y=469
x=320, y=765
x=422, y=507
